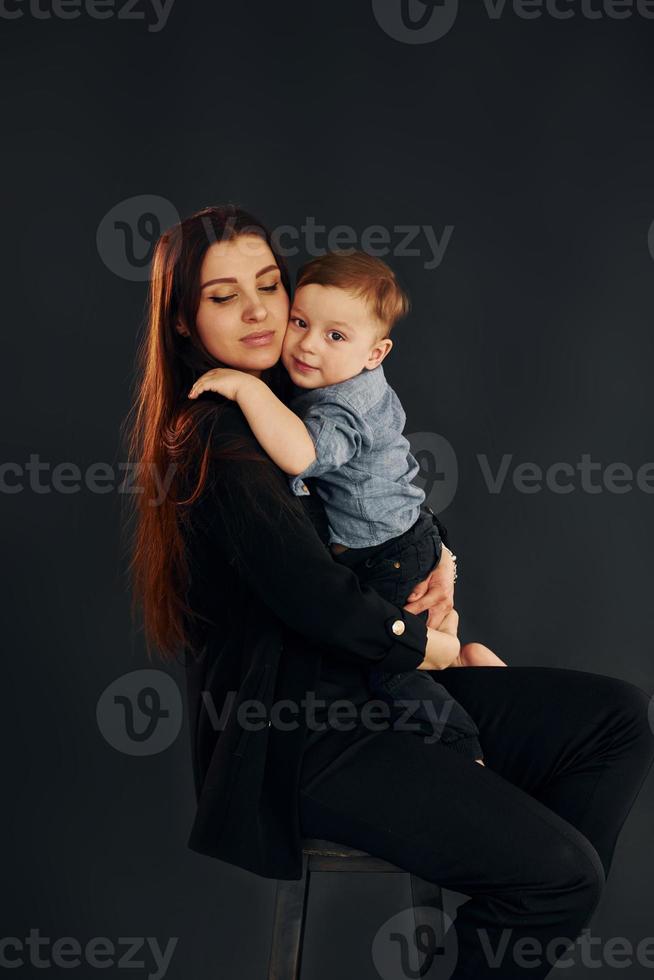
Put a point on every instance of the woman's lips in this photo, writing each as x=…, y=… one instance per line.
x=258, y=340
x=301, y=366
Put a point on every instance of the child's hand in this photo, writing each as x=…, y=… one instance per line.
x=225, y=381
x=451, y=623
x=478, y=655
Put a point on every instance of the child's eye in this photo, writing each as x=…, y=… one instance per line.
x=335, y=333
x=299, y=321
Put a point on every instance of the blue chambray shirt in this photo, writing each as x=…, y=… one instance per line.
x=363, y=465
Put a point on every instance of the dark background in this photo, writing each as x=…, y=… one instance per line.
x=533, y=138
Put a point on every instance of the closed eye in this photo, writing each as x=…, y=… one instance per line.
x=262, y=289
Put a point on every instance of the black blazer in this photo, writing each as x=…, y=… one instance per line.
x=278, y=603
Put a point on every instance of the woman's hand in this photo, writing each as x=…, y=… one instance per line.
x=225, y=381
x=436, y=592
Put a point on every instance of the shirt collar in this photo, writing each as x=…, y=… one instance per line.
x=370, y=384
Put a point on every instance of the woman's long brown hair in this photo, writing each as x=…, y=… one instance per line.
x=163, y=429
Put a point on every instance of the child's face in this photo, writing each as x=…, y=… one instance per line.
x=331, y=336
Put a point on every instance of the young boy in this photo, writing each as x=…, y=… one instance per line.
x=343, y=430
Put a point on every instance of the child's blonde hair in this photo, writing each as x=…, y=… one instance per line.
x=362, y=275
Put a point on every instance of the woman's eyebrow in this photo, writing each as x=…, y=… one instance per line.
x=211, y=282
x=267, y=268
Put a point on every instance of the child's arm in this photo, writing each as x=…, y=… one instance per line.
x=278, y=430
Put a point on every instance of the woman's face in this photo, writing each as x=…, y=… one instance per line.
x=243, y=311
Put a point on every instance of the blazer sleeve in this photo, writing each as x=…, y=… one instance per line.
x=280, y=556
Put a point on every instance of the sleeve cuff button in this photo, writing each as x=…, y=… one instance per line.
x=398, y=627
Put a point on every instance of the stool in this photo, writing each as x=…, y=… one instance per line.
x=292, y=899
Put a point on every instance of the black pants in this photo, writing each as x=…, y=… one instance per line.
x=530, y=837
x=393, y=569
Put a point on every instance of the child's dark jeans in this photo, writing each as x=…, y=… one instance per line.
x=393, y=569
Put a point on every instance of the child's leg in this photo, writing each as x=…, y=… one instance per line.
x=394, y=569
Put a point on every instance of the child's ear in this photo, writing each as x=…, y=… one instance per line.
x=378, y=353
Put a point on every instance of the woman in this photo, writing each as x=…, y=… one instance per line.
x=233, y=571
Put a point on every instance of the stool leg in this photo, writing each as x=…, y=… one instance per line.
x=288, y=926
x=427, y=899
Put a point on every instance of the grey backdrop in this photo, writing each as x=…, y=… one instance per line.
x=524, y=143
